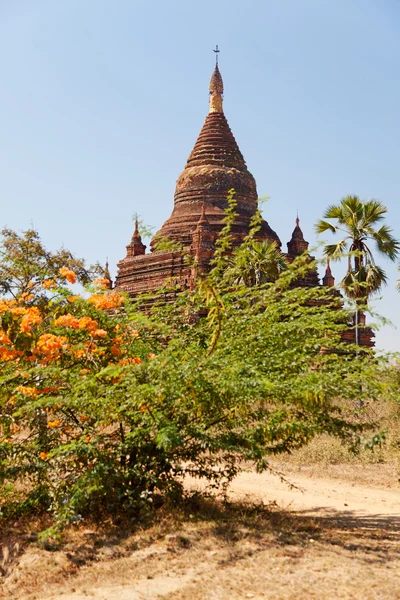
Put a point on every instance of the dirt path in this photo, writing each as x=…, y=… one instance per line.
x=336, y=540
x=318, y=494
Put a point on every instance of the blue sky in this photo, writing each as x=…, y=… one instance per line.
x=101, y=102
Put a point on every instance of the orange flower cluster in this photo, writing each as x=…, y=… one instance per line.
x=4, y=339
x=53, y=424
x=6, y=305
x=69, y=320
x=87, y=323
x=102, y=282
x=99, y=333
x=135, y=360
x=68, y=274
x=49, y=346
x=26, y=297
x=106, y=301
x=18, y=311
x=48, y=284
x=31, y=317
x=31, y=392
x=115, y=350
x=48, y=390
x=7, y=354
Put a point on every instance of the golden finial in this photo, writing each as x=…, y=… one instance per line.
x=216, y=88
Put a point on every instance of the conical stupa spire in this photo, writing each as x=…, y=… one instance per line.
x=216, y=91
x=297, y=245
x=328, y=279
x=214, y=167
x=203, y=219
x=136, y=247
x=107, y=275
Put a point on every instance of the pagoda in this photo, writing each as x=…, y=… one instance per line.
x=215, y=166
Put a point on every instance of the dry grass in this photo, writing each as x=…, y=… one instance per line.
x=207, y=550
x=323, y=453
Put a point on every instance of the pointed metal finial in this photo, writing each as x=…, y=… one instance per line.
x=216, y=88
x=217, y=51
x=297, y=219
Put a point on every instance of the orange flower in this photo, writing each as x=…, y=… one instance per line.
x=115, y=351
x=99, y=333
x=102, y=282
x=25, y=297
x=31, y=392
x=4, y=339
x=106, y=301
x=6, y=305
x=67, y=321
x=135, y=360
x=19, y=310
x=48, y=390
x=87, y=438
x=30, y=318
x=53, y=424
x=151, y=355
x=87, y=323
x=73, y=299
x=84, y=418
x=49, y=346
x=49, y=283
x=6, y=354
x=43, y=455
x=68, y=274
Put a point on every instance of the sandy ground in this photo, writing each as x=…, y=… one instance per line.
x=340, y=540
x=316, y=494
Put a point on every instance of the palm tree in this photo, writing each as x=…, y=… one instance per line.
x=254, y=263
x=359, y=222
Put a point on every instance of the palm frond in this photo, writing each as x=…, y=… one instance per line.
x=386, y=243
x=322, y=226
x=334, y=211
x=374, y=211
x=336, y=251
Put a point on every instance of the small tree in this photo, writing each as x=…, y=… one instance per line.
x=27, y=267
x=255, y=263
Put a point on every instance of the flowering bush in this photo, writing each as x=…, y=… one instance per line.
x=102, y=405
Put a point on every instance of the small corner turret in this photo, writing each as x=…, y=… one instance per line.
x=136, y=247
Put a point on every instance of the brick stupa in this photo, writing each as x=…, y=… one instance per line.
x=215, y=166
